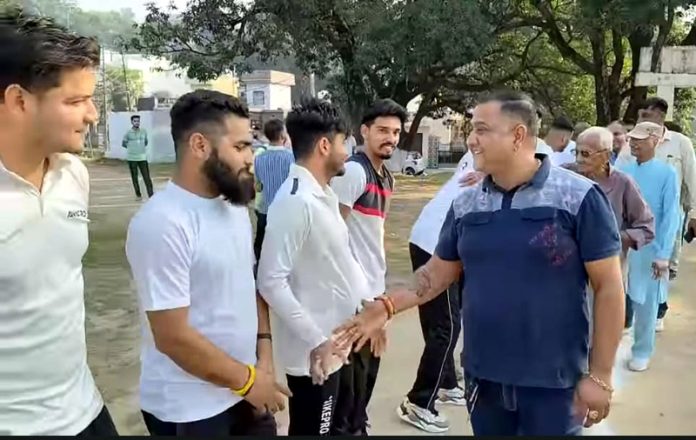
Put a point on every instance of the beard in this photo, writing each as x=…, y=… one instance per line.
x=386, y=156
x=237, y=188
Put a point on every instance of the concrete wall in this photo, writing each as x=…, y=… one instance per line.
x=281, y=97
x=257, y=87
x=276, y=96
x=158, y=126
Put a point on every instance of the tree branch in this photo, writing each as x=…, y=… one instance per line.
x=552, y=30
x=664, y=29
x=619, y=56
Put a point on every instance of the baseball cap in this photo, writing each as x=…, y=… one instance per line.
x=644, y=130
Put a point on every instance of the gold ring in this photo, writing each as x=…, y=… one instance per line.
x=593, y=415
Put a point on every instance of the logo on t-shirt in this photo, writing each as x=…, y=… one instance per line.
x=77, y=214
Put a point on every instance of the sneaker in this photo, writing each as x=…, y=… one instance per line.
x=660, y=325
x=638, y=365
x=422, y=418
x=455, y=396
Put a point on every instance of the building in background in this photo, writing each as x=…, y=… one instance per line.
x=268, y=93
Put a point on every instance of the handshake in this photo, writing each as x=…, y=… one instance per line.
x=367, y=326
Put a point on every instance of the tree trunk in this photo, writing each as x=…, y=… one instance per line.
x=423, y=108
x=602, y=100
x=639, y=38
x=614, y=102
x=635, y=100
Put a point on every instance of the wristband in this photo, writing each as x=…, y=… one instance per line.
x=264, y=336
x=388, y=304
x=242, y=392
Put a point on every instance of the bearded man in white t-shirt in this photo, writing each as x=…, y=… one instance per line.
x=207, y=367
x=46, y=108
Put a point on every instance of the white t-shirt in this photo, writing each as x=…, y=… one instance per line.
x=365, y=222
x=565, y=156
x=426, y=230
x=543, y=148
x=189, y=251
x=307, y=272
x=46, y=387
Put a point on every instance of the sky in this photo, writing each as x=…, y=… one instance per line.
x=138, y=6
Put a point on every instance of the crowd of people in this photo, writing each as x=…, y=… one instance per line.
x=534, y=248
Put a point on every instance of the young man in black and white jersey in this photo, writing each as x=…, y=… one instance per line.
x=364, y=192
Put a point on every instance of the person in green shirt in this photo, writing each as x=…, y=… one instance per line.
x=135, y=141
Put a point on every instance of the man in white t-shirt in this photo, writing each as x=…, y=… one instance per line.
x=307, y=272
x=206, y=358
x=436, y=378
x=559, y=138
x=364, y=193
x=46, y=387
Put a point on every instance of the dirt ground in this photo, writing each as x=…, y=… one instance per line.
x=654, y=402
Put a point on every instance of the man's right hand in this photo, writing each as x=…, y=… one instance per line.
x=471, y=179
x=364, y=326
x=266, y=394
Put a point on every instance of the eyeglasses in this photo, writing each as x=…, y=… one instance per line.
x=585, y=154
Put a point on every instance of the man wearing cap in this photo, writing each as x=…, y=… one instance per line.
x=677, y=150
x=648, y=268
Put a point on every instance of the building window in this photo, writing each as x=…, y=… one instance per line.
x=258, y=98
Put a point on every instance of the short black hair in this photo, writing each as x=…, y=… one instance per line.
x=563, y=123
x=195, y=109
x=655, y=102
x=382, y=108
x=273, y=130
x=517, y=104
x=673, y=126
x=310, y=121
x=135, y=117
x=35, y=51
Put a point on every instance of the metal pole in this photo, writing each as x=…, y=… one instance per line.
x=105, y=103
x=125, y=80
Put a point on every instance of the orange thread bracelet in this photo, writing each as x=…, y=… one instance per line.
x=388, y=304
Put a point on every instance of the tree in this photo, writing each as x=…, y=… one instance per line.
x=122, y=89
x=601, y=39
x=110, y=28
x=366, y=49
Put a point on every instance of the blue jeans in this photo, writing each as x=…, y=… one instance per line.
x=497, y=409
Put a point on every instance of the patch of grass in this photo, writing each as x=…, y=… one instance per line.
x=412, y=193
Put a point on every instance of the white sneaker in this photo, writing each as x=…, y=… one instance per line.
x=638, y=365
x=422, y=418
x=660, y=326
x=455, y=396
